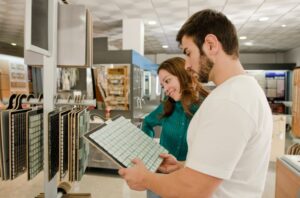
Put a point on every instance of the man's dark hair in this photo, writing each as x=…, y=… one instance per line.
x=213, y=22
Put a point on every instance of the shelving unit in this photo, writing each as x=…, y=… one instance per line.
x=117, y=88
x=119, y=76
x=74, y=27
x=13, y=78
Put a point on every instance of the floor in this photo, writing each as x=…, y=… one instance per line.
x=99, y=183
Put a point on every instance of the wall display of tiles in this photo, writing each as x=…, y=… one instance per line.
x=21, y=143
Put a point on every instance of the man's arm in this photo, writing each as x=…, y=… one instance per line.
x=184, y=183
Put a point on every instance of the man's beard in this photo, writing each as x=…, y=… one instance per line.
x=206, y=66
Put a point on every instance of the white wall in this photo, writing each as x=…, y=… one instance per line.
x=11, y=59
x=245, y=58
x=293, y=56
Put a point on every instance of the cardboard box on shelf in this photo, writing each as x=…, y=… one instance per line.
x=4, y=81
x=5, y=94
x=30, y=87
x=271, y=83
x=271, y=93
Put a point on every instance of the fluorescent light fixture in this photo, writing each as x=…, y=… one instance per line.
x=151, y=22
x=263, y=18
x=165, y=46
x=243, y=37
x=13, y=44
x=248, y=43
x=283, y=25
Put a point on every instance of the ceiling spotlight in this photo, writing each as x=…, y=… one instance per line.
x=151, y=22
x=13, y=44
x=243, y=37
x=263, y=19
x=283, y=25
x=249, y=43
x=165, y=46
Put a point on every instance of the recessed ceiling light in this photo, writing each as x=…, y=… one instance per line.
x=13, y=44
x=283, y=25
x=151, y=22
x=165, y=46
x=243, y=37
x=249, y=43
x=263, y=18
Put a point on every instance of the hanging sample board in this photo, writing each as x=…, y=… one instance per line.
x=17, y=142
x=34, y=142
x=4, y=145
x=63, y=143
x=53, y=143
x=78, y=148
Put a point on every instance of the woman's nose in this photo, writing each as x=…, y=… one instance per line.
x=166, y=88
x=187, y=65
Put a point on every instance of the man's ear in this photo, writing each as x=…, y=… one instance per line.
x=212, y=44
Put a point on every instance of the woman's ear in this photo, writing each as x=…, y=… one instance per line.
x=212, y=44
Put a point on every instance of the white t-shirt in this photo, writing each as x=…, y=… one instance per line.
x=229, y=137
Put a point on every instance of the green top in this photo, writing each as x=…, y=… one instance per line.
x=174, y=129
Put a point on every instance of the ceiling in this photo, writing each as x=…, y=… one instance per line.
x=265, y=36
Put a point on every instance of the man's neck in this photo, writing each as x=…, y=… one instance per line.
x=225, y=68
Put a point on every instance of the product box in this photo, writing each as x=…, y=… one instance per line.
x=5, y=94
x=271, y=93
x=4, y=81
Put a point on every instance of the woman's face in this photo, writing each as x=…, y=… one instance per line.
x=170, y=84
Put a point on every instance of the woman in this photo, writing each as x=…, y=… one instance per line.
x=184, y=96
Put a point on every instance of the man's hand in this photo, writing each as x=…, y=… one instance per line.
x=135, y=176
x=169, y=164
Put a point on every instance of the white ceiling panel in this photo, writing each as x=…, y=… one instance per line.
x=267, y=36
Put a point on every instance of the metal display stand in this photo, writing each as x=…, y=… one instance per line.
x=86, y=102
x=50, y=60
x=49, y=87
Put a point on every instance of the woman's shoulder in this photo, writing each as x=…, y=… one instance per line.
x=194, y=107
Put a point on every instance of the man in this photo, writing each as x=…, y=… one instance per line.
x=229, y=137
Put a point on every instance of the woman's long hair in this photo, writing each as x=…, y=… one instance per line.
x=192, y=92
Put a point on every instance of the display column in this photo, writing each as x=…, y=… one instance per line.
x=49, y=89
x=133, y=35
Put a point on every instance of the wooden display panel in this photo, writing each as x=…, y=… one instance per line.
x=296, y=104
x=287, y=182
